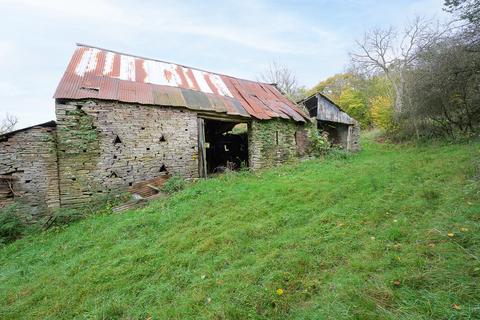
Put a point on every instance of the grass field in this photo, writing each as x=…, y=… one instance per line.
x=390, y=233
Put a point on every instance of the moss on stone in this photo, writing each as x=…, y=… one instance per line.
x=272, y=142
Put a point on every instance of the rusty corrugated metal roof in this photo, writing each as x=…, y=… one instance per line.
x=103, y=74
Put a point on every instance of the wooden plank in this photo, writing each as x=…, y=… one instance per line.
x=327, y=111
x=202, y=159
x=153, y=187
x=149, y=187
x=7, y=177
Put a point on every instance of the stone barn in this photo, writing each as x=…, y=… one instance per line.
x=124, y=119
x=342, y=129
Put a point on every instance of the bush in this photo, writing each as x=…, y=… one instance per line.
x=442, y=96
x=319, y=144
x=339, y=154
x=11, y=227
x=174, y=184
x=98, y=205
x=65, y=216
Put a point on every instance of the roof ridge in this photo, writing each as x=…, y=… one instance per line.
x=43, y=124
x=169, y=62
x=323, y=96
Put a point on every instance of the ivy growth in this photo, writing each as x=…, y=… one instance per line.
x=82, y=132
x=276, y=140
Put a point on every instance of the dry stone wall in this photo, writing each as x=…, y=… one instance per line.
x=102, y=146
x=353, y=144
x=107, y=146
x=28, y=172
x=274, y=142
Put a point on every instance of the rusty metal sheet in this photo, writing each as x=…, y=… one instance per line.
x=218, y=104
x=196, y=100
x=104, y=74
x=245, y=105
x=243, y=97
x=143, y=93
x=237, y=108
x=108, y=89
x=126, y=91
x=168, y=96
x=298, y=110
x=271, y=105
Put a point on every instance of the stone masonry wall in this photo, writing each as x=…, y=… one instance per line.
x=28, y=166
x=105, y=146
x=272, y=142
x=353, y=144
x=100, y=146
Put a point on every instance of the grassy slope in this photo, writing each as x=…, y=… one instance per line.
x=334, y=235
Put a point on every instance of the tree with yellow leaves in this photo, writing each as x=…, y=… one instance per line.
x=381, y=110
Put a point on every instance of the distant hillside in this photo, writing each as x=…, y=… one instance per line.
x=390, y=233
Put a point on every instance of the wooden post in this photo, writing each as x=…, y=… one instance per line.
x=202, y=153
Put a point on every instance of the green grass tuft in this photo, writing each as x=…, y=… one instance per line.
x=390, y=233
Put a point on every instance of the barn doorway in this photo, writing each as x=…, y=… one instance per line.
x=338, y=133
x=223, y=145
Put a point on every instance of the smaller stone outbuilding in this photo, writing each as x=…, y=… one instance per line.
x=342, y=129
x=28, y=170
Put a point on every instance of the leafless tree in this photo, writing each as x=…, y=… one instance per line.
x=392, y=53
x=8, y=123
x=467, y=17
x=282, y=76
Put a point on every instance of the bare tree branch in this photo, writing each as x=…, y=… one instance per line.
x=8, y=123
x=282, y=76
x=385, y=51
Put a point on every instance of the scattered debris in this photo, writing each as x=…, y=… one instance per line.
x=143, y=192
x=148, y=188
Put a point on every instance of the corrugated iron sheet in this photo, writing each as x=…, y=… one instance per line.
x=103, y=74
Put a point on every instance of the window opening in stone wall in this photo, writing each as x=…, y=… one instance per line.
x=276, y=137
x=162, y=138
x=226, y=145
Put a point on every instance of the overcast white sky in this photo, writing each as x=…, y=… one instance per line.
x=239, y=38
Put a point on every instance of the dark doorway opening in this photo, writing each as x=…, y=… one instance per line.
x=337, y=132
x=226, y=145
